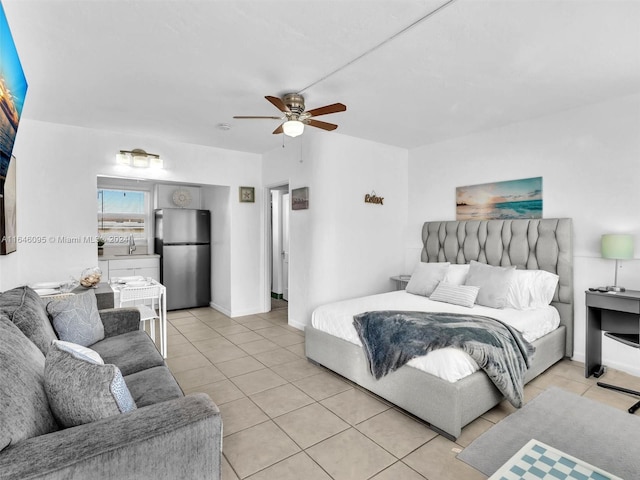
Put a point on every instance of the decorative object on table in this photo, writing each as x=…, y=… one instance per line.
x=616, y=247
x=300, y=198
x=8, y=238
x=247, y=195
x=373, y=198
x=181, y=198
x=90, y=277
x=500, y=200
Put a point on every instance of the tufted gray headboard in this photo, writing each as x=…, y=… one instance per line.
x=535, y=244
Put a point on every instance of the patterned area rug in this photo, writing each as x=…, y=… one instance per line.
x=603, y=436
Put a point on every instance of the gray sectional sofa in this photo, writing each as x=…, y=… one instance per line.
x=168, y=436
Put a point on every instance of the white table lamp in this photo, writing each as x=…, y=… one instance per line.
x=617, y=247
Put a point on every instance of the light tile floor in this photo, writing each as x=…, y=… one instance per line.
x=288, y=419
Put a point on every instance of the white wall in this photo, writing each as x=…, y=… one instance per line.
x=341, y=247
x=218, y=201
x=56, y=197
x=589, y=159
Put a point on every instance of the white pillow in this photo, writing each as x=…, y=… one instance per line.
x=76, y=349
x=425, y=277
x=456, y=274
x=531, y=289
x=464, y=295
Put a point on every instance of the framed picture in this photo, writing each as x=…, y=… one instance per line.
x=247, y=194
x=500, y=200
x=8, y=210
x=13, y=90
x=300, y=198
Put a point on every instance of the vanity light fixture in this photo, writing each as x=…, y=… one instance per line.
x=139, y=158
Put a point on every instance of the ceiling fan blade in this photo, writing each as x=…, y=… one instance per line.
x=322, y=125
x=278, y=130
x=245, y=117
x=278, y=103
x=327, y=109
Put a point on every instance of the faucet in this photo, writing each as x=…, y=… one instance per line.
x=132, y=244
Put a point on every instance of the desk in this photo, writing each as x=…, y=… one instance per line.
x=618, y=313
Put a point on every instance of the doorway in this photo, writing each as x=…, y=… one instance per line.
x=279, y=240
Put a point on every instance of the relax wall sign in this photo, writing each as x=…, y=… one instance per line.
x=373, y=198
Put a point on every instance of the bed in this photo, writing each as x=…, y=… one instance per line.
x=447, y=406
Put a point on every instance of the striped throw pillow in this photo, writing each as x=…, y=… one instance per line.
x=463, y=295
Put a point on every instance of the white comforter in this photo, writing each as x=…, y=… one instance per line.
x=448, y=363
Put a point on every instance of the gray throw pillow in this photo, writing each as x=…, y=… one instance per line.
x=425, y=278
x=24, y=409
x=493, y=282
x=82, y=391
x=25, y=309
x=76, y=319
x=463, y=295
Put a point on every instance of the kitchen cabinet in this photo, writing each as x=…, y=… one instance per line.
x=127, y=266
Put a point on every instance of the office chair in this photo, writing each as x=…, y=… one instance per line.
x=632, y=340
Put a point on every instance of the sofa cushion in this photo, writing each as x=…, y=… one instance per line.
x=76, y=319
x=24, y=410
x=82, y=391
x=130, y=352
x=25, y=309
x=152, y=386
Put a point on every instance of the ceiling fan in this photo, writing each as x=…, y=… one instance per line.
x=295, y=117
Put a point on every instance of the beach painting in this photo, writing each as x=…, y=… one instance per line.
x=500, y=200
x=13, y=89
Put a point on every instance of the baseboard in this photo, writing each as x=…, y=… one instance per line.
x=220, y=309
x=298, y=325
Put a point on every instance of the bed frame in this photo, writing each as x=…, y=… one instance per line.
x=543, y=244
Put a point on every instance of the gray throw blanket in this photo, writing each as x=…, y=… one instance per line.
x=392, y=338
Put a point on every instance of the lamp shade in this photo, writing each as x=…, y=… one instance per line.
x=293, y=128
x=617, y=246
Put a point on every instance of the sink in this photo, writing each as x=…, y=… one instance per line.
x=132, y=254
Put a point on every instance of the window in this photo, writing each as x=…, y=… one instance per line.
x=122, y=213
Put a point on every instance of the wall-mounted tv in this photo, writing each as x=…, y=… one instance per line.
x=13, y=89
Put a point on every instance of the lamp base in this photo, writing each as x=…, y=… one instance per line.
x=615, y=288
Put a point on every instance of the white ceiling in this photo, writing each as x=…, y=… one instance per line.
x=177, y=69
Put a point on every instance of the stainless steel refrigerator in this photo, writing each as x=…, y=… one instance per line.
x=182, y=238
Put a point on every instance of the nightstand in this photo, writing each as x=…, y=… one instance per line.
x=401, y=281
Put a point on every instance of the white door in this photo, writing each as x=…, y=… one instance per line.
x=285, y=246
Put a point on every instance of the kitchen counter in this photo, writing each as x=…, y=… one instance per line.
x=125, y=256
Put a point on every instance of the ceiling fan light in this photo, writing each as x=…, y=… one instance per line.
x=293, y=128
